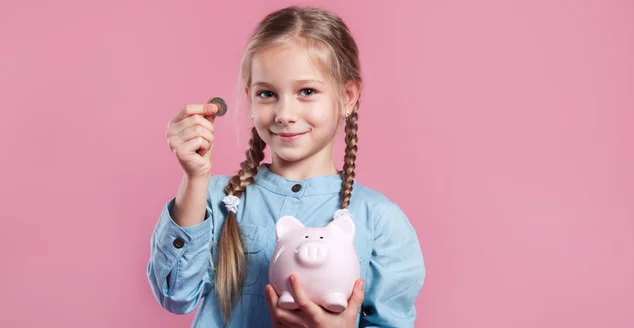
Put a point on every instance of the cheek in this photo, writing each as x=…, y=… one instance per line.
x=262, y=113
x=322, y=114
x=261, y=122
x=263, y=130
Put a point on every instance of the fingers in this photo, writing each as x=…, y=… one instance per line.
x=194, y=132
x=192, y=125
x=175, y=127
x=199, y=145
x=271, y=297
x=195, y=109
x=356, y=299
x=280, y=317
x=302, y=299
x=286, y=318
x=189, y=134
x=191, y=120
x=198, y=128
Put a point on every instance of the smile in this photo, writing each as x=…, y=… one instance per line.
x=289, y=136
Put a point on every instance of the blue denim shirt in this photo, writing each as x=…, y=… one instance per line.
x=386, y=243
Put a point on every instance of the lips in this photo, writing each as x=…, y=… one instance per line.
x=288, y=136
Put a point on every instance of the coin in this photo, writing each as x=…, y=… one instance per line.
x=222, y=106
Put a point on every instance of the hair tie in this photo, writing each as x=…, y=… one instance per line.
x=340, y=213
x=231, y=202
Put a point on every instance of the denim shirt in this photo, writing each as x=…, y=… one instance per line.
x=389, y=252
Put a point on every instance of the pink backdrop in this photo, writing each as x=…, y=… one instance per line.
x=503, y=129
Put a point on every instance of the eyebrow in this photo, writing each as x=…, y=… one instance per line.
x=262, y=83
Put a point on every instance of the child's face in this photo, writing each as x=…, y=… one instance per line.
x=295, y=109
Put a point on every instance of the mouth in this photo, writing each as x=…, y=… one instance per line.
x=286, y=136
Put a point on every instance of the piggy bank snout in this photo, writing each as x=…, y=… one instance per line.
x=312, y=254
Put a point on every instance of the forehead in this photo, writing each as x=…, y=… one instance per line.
x=285, y=63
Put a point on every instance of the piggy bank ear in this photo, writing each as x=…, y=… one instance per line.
x=343, y=224
x=287, y=224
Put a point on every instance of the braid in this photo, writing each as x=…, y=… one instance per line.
x=231, y=271
x=248, y=168
x=350, y=157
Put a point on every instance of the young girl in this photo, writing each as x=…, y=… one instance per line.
x=214, y=240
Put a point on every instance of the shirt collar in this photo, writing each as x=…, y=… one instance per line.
x=319, y=185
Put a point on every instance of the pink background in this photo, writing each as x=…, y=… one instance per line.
x=503, y=129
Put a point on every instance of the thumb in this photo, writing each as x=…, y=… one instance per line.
x=356, y=300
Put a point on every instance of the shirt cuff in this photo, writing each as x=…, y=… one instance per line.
x=176, y=240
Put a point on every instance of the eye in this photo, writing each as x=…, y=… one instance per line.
x=307, y=92
x=321, y=237
x=265, y=94
x=306, y=236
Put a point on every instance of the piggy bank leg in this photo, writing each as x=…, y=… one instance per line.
x=287, y=301
x=335, y=302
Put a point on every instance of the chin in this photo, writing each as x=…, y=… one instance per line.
x=291, y=155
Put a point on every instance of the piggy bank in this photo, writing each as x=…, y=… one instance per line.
x=323, y=258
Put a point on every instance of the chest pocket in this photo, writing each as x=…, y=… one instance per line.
x=255, y=239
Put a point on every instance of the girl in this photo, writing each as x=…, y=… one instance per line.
x=214, y=240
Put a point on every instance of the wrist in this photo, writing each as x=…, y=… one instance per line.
x=195, y=181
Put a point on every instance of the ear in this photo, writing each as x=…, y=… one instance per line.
x=344, y=225
x=287, y=224
x=352, y=92
x=246, y=93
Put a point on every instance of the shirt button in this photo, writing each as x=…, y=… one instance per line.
x=179, y=242
x=296, y=188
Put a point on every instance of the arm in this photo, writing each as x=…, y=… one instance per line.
x=396, y=273
x=179, y=256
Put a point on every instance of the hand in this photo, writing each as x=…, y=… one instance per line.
x=309, y=314
x=190, y=137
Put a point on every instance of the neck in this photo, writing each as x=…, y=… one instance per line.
x=320, y=164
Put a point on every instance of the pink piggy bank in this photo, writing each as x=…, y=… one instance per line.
x=323, y=258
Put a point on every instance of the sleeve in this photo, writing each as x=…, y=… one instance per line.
x=396, y=273
x=179, y=261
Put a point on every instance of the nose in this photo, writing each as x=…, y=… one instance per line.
x=286, y=112
x=312, y=254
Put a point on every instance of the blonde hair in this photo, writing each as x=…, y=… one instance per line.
x=327, y=38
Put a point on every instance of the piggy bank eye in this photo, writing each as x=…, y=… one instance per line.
x=306, y=236
x=321, y=237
